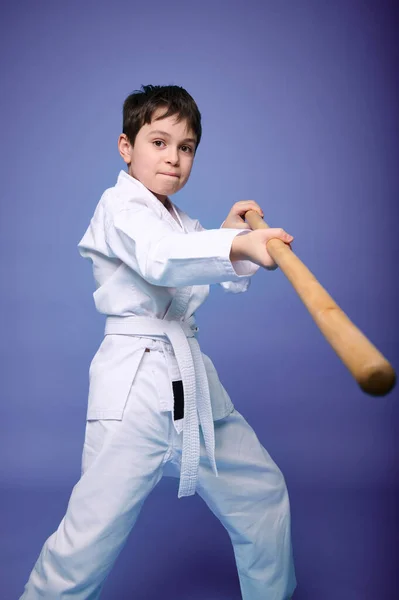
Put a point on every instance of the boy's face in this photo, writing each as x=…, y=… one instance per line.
x=161, y=147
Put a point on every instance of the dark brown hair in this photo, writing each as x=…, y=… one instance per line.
x=139, y=107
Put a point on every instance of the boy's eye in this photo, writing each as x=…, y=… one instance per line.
x=187, y=151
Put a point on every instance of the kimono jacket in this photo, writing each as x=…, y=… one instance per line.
x=152, y=269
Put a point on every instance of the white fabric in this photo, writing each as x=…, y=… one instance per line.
x=141, y=254
x=155, y=264
x=187, y=352
x=122, y=462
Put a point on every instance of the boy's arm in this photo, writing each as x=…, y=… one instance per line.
x=244, y=268
x=146, y=244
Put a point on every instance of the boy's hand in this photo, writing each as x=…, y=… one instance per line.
x=252, y=246
x=234, y=219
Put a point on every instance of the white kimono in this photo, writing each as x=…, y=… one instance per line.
x=153, y=271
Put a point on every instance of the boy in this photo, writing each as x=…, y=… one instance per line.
x=156, y=406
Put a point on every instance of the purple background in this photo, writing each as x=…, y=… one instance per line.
x=299, y=104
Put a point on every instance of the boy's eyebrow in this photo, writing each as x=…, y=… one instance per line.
x=168, y=135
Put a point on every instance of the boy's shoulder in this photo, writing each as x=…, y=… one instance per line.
x=130, y=194
x=127, y=193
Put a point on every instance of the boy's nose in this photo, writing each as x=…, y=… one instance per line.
x=173, y=157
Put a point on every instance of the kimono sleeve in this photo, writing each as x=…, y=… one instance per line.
x=244, y=268
x=144, y=242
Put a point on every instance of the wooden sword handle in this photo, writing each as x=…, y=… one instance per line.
x=368, y=366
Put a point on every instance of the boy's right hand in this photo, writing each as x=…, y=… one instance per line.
x=252, y=246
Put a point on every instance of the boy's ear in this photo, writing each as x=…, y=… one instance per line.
x=124, y=147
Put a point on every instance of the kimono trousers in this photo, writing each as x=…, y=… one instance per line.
x=153, y=265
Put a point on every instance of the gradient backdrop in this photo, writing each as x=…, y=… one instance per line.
x=299, y=104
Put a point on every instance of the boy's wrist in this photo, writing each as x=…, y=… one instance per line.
x=239, y=248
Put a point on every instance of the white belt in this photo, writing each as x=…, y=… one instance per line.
x=181, y=335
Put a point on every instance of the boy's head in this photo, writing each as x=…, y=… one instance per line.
x=161, y=133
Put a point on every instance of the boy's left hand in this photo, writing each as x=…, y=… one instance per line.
x=235, y=220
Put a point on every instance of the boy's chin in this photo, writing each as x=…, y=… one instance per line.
x=166, y=190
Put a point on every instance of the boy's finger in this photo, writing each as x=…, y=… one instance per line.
x=248, y=203
x=244, y=208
